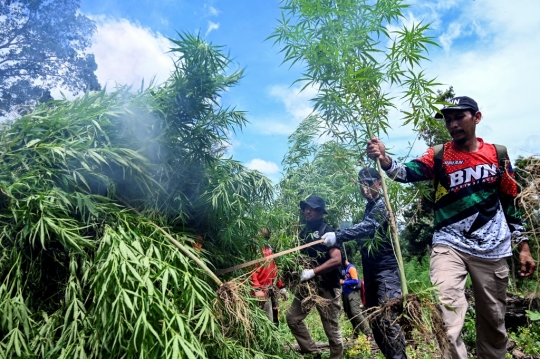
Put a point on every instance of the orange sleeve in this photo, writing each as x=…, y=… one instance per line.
x=353, y=273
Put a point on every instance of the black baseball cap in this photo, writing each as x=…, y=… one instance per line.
x=459, y=103
x=368, y=174
x=314, y=202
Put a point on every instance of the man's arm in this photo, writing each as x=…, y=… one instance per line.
x=420, y=169
x=366, y=228
x=354, y=277
x=508, y=192
x=330, y=264
x=255, y=283
x=254, y=278
x=363, y=230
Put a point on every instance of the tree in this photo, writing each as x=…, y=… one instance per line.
x=42, y=46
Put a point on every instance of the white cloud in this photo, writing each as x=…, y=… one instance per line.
x=265, y=167
x=297, y=102
x=453, y=32
x=492, y=57
x=126, y=53
x=210, y=10
x=297, y=107
x=211, y=27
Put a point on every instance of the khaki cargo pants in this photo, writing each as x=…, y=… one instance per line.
x=448, y=271
x=329, y=312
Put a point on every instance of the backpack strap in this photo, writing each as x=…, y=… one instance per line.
x=502, y=157
x=438, y=170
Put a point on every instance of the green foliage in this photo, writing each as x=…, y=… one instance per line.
x=434, y=131
x=341, y=46
x=43, y=46
x=417, y=272
x=468, y=333
x=533, y=315
x=422, y=349
x=358, y=66
x=361, y=348
x=84, y=270
x=528, y=338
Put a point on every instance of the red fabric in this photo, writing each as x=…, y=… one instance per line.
x=363, y=293
x=486, y=154
x=266, y=273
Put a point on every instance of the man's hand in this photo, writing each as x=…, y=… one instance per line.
x=260, y=294
x=307, y=274
x=341, y=281
x=375, y=149
x=526, y=260
x=284, y=294
x=329, y=239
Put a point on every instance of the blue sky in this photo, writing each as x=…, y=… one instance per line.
x=489, y=51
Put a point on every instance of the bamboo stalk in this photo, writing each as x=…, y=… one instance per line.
x=394, y=232
x=394, y=235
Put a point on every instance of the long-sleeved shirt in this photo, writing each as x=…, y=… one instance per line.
x=265, y=274
x=372, y=234
x=474, y=203
x=351, y=281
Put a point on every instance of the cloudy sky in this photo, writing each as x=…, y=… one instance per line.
x=488, y=50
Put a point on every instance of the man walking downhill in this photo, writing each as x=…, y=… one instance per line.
x=475, y=223
x=325, y=278
x=381, y=274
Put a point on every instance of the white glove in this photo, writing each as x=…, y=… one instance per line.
x=307, y=274
x=284, y=293
x=329, y=239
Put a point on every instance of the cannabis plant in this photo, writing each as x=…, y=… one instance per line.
x=97, y=196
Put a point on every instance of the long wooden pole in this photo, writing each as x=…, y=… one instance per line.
x=263, y=259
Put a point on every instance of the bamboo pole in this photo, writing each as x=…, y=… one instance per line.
x=394, y=235
x=394, y=232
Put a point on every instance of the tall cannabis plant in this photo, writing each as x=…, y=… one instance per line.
x=361, y=68
x=92, y=190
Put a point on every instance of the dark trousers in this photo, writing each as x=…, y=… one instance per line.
x=381, y=286
x=352, y=307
